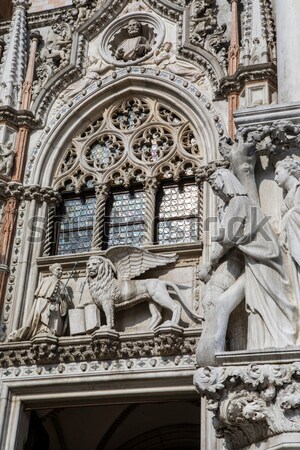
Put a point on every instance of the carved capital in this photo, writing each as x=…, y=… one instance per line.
x=102, y=190
x=41, y=194
x=251, y=403
x=21, y=3
x=35, y=35
x=204, y=172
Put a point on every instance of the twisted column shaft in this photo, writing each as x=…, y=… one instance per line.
x=102, y=192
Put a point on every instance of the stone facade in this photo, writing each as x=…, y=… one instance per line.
x=125, y=283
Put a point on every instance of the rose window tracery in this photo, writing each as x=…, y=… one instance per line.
x=105, y=151
x=169, y=116
x=189, y=142
x=153, y=143
x=130, y=114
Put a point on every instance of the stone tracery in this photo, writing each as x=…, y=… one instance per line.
x=151, y=132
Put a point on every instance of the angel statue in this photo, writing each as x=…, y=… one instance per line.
x=112, y=287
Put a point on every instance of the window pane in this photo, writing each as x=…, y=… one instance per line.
x=178, y=214
x=125, y=219
x=76, y=228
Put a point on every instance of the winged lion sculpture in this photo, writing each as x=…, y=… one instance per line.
x=112, y=287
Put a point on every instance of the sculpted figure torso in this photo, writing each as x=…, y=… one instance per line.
x=263, y=283
x=48, y=314
x=287, y=176
x=135, y=46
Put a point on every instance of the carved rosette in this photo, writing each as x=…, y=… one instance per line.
x=251, y=403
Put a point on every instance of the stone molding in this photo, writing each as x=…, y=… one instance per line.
x=251, y=403
x=19, y=118
x=100, y=347
x=244, y=74
x=143, y=364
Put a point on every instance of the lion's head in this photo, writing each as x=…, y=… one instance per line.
x=99, y=267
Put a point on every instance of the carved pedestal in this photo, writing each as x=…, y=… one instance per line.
x=254, y=406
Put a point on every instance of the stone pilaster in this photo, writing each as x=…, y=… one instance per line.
x=288, y=37
x=15, y=57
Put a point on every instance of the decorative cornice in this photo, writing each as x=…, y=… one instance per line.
x=31, y=192
x=236, y=82
x=50, y=350
x=18, y=118
x=251, y=403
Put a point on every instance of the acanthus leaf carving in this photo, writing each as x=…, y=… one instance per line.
x=251, y=403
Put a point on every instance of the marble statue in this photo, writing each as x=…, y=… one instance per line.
x=94, y=68
x=49, y=312
x=7, y=156
x=112, y=288
x=287, y=176
x=165, y=58
x=135, y=46
x=242, y=156
x=262, y=282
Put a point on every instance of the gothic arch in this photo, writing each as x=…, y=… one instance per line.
x=183, y=98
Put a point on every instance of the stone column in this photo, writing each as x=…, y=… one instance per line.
x=151, y=186
x=27, y=86
x=288, y=55
x=102, y=193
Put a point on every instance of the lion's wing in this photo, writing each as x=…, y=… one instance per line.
x=131, y=262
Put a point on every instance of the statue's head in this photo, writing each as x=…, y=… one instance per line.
x=97, y=265
x=56, y=270
x=288, y=167
x=168, y=46
x=134, y=28
x=92, y=266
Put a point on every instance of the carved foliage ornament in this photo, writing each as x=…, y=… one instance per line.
x=54, y=55
x=133, y=139
x=251, y=403
x=205, y=30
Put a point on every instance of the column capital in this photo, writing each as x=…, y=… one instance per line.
x=251, y=403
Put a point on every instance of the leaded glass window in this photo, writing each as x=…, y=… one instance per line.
x=124, y=219
x=177, y=214
x=75, y=225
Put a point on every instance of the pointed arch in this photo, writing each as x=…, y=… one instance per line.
x=184, y=98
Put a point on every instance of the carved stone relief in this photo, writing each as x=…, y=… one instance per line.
x=245, y=275
x=7, y=156
x=114, y=275
x=49, y=311
x=251, y=403
x=205, y=31
x=54, y=55
x=165, y=58
x=131, y=39
x=93, y=71
x=287, y=175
